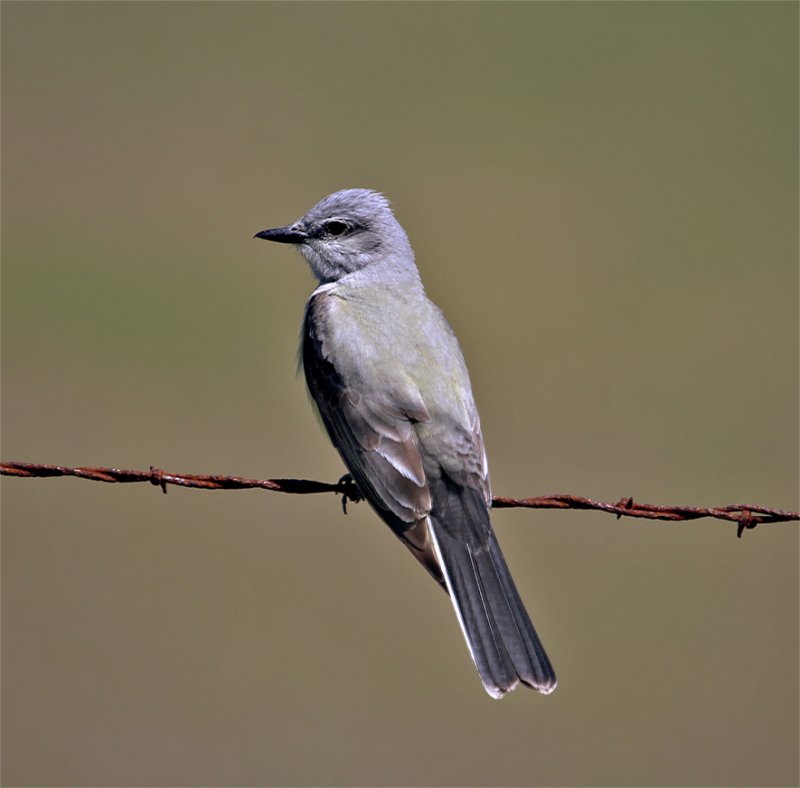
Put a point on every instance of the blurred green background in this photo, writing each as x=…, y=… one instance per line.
x=603, y=199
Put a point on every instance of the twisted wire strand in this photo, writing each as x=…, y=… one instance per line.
x=746, y=515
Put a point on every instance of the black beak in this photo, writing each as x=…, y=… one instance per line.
x=283, y=235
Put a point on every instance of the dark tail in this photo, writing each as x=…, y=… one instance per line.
x=499, y=633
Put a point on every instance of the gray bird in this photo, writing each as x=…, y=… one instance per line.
x=389, y=379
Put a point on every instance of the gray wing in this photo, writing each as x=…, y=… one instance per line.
x=375, y=439
x=429, y=483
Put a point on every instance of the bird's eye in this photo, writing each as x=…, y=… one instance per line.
x=335, y=228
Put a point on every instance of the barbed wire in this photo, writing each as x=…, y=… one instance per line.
x=746, y=515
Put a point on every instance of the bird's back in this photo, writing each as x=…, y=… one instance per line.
x=390, y=381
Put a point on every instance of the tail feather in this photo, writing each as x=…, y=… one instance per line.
x=474, y=611
x=533, y=666
x=499, y=633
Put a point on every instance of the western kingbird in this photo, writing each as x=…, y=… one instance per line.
x=390, y=382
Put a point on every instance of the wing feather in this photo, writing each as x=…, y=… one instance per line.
x=376, y=439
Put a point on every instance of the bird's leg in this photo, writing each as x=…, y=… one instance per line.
x=349, y=490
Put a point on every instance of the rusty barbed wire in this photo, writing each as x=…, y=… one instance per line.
x=747, y=516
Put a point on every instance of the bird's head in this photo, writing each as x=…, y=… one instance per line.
x=348, y=231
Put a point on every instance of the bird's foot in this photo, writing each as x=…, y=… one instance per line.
x=349, y=490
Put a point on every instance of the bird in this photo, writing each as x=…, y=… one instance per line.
x=388, y=378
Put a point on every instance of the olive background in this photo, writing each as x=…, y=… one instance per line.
x=602, y=197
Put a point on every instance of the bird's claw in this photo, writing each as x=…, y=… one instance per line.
x=349, y=490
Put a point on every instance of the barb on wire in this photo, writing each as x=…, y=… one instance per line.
x=745, y=515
